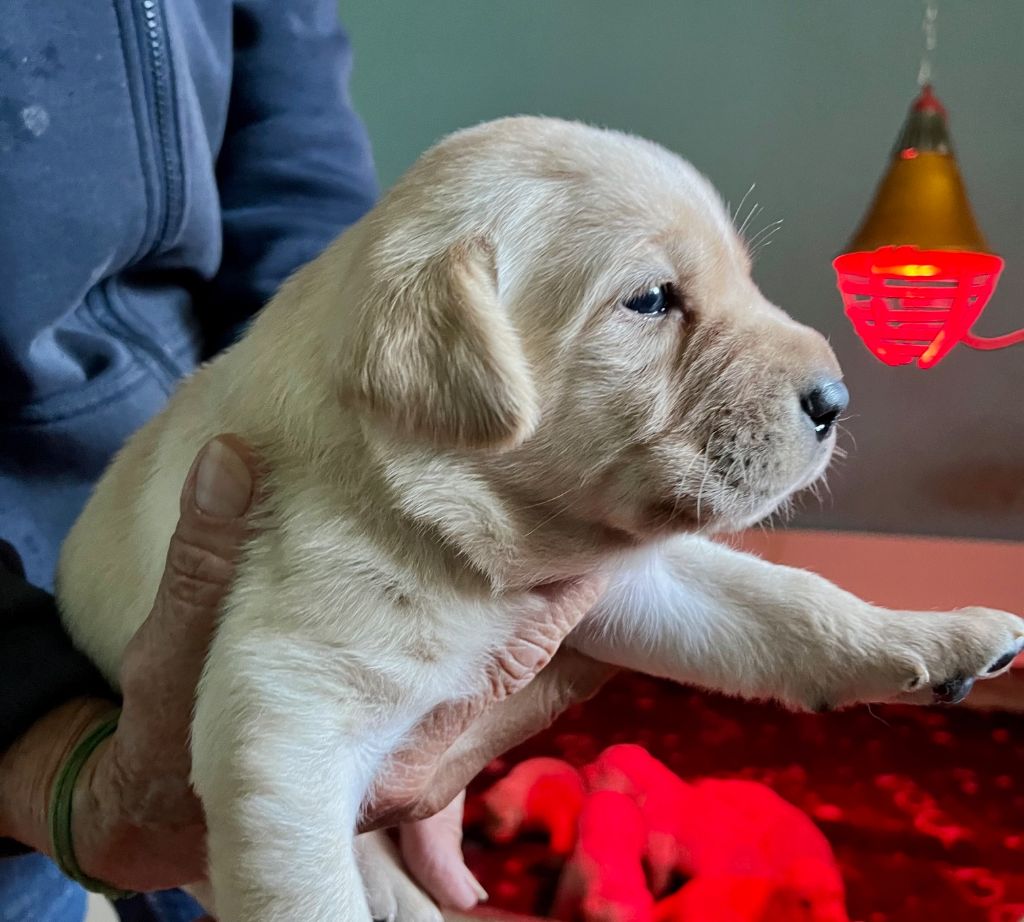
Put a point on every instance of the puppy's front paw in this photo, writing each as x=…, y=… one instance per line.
x=935, y=658
x=390, y=893
x=981, y=643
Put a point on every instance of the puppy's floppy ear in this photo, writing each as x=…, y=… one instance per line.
x=433, y=354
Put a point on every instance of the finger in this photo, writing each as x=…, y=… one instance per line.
x=162, y=663
x=571, y=599
x=557, y=609
x=211, y=530
x=432, y=851
x=570, y=678
x=201, y=556
x=533, y=644
x=538, y=637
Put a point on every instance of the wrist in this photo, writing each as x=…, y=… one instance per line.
x=30, y=766
x=70, y=789
x=133, y=827
x=99, y=833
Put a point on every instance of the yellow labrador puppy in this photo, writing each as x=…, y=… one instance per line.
x=541, y=355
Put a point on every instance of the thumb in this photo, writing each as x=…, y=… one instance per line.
x=212, y=528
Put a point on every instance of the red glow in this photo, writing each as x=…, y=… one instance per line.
x=864, y=775
x=747, y=854
x=542, y=795
x=927, y=101
x=908, y=304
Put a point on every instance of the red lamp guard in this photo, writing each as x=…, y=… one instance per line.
x=993, y=342
x=908, y=304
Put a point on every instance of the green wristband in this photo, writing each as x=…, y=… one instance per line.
x=60, y=809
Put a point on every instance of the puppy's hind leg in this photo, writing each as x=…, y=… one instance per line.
x=392, y=894
x=281, y=766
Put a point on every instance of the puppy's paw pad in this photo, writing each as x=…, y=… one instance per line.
x=953, y=690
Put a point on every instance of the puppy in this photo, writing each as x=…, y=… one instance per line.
x=541, y=355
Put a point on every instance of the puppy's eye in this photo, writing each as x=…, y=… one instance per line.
x=656, y=300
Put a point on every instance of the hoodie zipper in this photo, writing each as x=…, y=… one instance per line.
x=159, y=57
x=166, y=172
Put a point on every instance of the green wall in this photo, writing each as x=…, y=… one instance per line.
x=804, y=97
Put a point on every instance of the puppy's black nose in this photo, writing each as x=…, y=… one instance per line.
x=823, y=404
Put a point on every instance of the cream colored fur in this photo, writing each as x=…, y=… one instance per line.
x=453, y=406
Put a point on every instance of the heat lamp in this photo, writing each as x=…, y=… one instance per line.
x=918, y=272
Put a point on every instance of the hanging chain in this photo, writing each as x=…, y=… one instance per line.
x=930, y=30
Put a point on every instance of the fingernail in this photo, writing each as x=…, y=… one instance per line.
x=223, y=482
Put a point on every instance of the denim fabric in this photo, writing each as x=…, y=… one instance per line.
x=33, y=890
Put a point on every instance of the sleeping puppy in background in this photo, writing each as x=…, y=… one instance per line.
x=541, y=356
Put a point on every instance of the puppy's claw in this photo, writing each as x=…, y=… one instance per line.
x=1006, y=660
x=1000, y=664
x=954, y=690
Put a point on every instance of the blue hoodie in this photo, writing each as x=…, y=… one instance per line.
x=164, y=165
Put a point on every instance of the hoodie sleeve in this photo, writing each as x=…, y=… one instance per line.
x=39, y=666
x=295, y=168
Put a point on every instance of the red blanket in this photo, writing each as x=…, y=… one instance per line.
x=924, y=808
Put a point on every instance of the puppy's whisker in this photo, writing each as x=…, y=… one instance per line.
x=765, y=239
x=755, y=210
x=681, y=484
x=703, y=481
x=762, y=239
x=879, y=719
x=782, y=513
x=554, y=515
x=765, y=233
x=551, y=499
x=684, y=480
x=722, y=493
x=734, y=214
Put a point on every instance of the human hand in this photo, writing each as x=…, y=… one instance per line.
x=529, y=683
x=136, y=821
x=136, y=824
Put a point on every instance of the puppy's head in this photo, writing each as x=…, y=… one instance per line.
x=574, y=306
